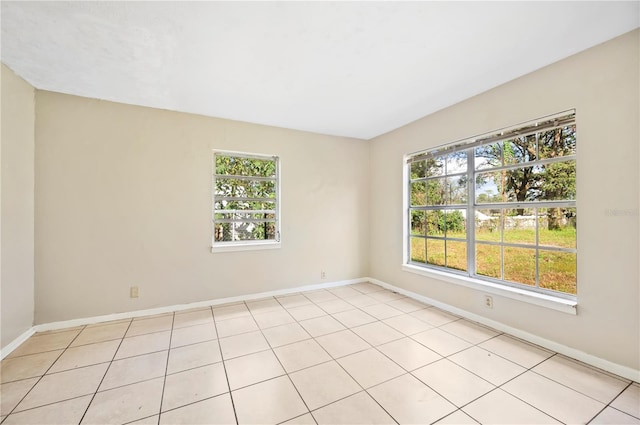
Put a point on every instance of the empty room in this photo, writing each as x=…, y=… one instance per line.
x=320, y=212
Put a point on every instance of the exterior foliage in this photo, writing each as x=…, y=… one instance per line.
x=245, y=198
x=523, y=215
x=535, y=180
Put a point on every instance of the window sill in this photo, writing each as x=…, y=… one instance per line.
x=249, y=246
x=543, y=300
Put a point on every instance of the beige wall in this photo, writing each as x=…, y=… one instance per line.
x=602, y=85
x=124, y=198
x=17, y=212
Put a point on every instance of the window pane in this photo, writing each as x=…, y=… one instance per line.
x=516, y=185
x=557, y=142
x=558, y=181
x=557, y=227
x=229, y=187
x=418, y=194
x=418, y=246
x=488, y=156
x=262, y=189
x=457, y=162
x=488, y=225
x=435, y=252
x=239, y=166
x=520, y=265
x=522, y=184
x=456, y=224
x=247, y=216
x=245, y=205
x=229, y=205
x=252, y=231
x=488, y=260
x=457, y=255
x=238, y=231
x=264, y=230
x=418, y=223
x=519, y=225
x=225, y=164
x=558, y=271
x=437, y=191
x=418, y=169
x=457, y=190
x=519, y=150
x=549, y=182
x=261, y=205
x=435, y=166
x=487, y=189
x=243, y=231
x=243, y=188
x=222, y=232
x=435, y=223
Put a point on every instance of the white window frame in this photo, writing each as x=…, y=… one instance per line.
x=255, y=244
x=555, y=300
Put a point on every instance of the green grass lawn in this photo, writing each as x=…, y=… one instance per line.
x=557, y=270
x=563, y=238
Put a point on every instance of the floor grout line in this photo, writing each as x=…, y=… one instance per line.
x=617, y=409
x=380, y=300
x=41, y=377
x=353, y=378
x=224, y=367
x=166, y=368
x=103, y=376
x=285, y=370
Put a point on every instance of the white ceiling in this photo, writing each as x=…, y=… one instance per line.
x=355, y=69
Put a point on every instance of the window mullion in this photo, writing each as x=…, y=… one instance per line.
x=502, y=222
x=408, y=213
x=471, y=214
x=277, y=204
x=537, y=247
x=515, y=229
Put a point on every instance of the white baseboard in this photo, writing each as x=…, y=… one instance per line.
x=16, y=343
x=180, y=307
x=587, y=358
x=167, y=309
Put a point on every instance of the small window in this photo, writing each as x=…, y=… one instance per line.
x=246, y=199
x=500, y=207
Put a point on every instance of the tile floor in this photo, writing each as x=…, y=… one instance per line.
x=356, y=354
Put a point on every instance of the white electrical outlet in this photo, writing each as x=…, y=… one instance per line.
x=488, y=301
x=133, y=292
x=323, y=274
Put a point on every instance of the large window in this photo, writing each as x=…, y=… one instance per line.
x=500, y=207
x=245, y=199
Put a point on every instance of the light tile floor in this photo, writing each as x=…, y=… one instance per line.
x=357, y=354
